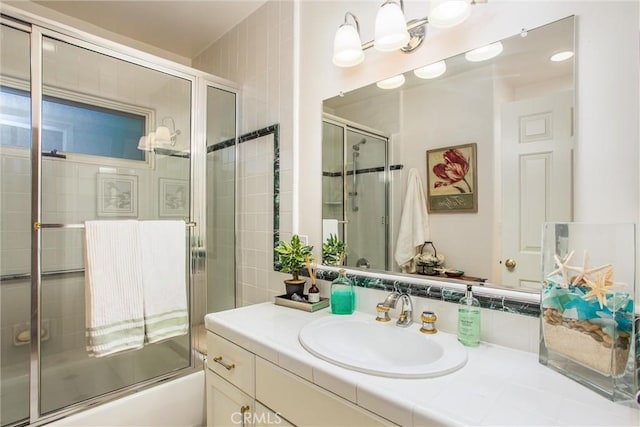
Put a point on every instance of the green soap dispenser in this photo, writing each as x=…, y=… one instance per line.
x=469, y=319
x=343, y=296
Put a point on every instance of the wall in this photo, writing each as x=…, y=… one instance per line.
x=258, y=54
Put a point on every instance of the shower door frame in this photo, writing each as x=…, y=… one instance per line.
x=347, y=126
x=37, y=28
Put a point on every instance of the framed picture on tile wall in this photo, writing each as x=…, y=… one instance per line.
x=174, y=197
x=117, y=195
x=452, y=179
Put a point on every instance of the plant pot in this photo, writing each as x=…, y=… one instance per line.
x=294, y=287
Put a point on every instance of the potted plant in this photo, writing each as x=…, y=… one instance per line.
x=291, y=256
x=333, y=251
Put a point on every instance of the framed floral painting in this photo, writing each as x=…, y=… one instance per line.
x=452, y=179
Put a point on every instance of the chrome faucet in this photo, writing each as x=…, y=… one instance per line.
x=406, y=309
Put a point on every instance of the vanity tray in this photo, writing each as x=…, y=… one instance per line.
x=306, y=306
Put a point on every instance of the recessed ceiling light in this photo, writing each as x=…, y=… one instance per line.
x=391, y=82
x=561, y=56
x=431, y=71
x=483, y=53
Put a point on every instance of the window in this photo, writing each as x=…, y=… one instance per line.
x=71, y=127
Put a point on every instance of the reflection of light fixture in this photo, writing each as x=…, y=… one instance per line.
x=391, y=28
x=147, y=142
x=484, y=53
x=561, y=56
x=391, y=82
x=431, y=71
x=347, y=47
x=166, y=135
x=448, y=13
x=393, y=32
x=163, y=135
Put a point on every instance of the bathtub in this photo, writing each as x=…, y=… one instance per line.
x=179, y=402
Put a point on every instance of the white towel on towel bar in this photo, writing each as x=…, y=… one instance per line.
x=113, y=287
x=414, y=223
x=163, y=270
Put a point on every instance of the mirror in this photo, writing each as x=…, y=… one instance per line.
x=516, y=109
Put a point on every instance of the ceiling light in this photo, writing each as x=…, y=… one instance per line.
x=431, y=71
x=347, y=46
x=448, y=13
x=391, y=82
x=391, y=28
x=484, y=53
x=561, y=56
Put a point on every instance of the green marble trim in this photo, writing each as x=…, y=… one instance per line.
x=439, y=292
x=275, y=131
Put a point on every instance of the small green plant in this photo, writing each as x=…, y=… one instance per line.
x=333, y=251
x=291, y=255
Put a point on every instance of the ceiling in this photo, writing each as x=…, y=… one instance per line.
x=183, y=27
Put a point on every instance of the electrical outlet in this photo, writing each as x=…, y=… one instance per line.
x=304, y=239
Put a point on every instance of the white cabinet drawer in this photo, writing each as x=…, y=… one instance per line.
x=231, y=362
x=304, y=403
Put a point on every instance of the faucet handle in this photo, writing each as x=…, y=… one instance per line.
x=383, y=313
x=428, y=322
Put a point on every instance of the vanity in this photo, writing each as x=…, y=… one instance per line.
x=259, y=372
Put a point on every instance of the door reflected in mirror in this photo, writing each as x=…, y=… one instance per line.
x=517, y=108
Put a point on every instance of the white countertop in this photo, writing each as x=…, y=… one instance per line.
x=497, y=386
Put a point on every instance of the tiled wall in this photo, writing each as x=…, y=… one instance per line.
x=258, y=54
x=255, y=219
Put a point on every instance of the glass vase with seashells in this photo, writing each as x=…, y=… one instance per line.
x=587, y=305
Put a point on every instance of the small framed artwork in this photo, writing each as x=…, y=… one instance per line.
x=174, y=197
x=117, y=195
x=452, y=179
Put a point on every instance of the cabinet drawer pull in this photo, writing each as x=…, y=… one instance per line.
x=226, y=365
x=244, y=409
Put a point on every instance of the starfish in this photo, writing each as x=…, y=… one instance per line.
x=599, y=287
x=563, y=267
x=585, y=273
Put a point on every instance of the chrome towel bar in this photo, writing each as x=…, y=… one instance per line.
x=38, y=225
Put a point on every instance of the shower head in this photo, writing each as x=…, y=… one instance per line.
x=356, y=147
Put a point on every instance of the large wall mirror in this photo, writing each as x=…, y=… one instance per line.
x=516, y=109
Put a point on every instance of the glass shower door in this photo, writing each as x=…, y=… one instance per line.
x=366, y=200
x=333, y=184
x=220, y=199
x=354, y=192
x=15, y=214
x=95, y=109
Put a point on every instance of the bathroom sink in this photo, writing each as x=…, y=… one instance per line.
x=360, y=343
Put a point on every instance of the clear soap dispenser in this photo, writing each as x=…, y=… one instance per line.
x=469, y=319
x=343, y=296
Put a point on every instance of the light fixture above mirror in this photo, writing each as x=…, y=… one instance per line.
x=393, y=32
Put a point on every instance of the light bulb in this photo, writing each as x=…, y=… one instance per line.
x=448, y=13
x=431, y=71
x=391, y=82
x=347, y=47
x=561, y=56
x=484, y=53
x=391, y=28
